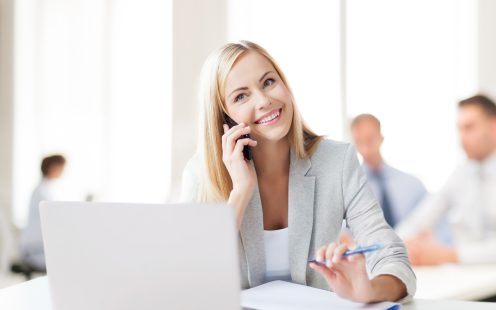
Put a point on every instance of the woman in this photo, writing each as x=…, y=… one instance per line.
x=291, y=198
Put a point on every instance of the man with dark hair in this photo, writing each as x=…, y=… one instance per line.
x=51, y=167
x=398, y=193
x=467, y=200
x=32, y=251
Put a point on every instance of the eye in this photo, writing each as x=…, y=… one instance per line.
x=240, y=97
x=268, y=82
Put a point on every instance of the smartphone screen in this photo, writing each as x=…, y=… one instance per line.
x=247, y=149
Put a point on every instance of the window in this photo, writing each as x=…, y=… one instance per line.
x=408, y=63
x=93, y=81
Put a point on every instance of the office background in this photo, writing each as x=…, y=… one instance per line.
x=112, y=84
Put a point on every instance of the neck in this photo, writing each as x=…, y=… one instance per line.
x=375, y=162
x=272, y=158
x=484, y=158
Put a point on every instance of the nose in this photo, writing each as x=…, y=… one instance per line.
x=262, y=101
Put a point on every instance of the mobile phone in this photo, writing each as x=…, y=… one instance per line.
x=246, y=149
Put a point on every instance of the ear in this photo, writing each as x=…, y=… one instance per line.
x=493, y=122
x=493, y=128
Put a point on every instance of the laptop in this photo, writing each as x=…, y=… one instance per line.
x=117, y=256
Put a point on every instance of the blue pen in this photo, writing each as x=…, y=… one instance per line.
x=359, y=250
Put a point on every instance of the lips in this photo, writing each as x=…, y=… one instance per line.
x=269, y=117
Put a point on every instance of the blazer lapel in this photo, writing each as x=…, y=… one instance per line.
x=252, y=239
x=300, y=216
x=300, y=223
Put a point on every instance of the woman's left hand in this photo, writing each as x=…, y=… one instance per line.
x=346, y=276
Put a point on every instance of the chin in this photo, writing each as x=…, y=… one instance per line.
x=274, y=135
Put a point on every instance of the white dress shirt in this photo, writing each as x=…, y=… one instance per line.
x=468, y=202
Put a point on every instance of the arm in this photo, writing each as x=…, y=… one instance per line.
x=366, y=221
x=382, y=275
x=425, y=216
x=242, y=172
x=239, y=199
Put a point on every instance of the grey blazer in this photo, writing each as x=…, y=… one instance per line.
x=323, y=190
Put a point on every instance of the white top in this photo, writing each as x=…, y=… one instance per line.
x=276, y=255
x=468, y=202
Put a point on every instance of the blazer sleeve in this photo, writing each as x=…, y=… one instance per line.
x=366, y=221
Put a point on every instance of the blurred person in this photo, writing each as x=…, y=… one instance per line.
x=398, y=193
x=467, y=200
x=32, y=252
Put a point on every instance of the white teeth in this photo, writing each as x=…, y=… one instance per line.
x=268, y=118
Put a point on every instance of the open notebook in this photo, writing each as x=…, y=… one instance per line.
x=280, y=295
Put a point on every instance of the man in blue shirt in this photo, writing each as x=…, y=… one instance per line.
x=397, y=192
x=32, y=251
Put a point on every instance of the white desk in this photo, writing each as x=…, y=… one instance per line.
x=462, y=282
x=34, y=295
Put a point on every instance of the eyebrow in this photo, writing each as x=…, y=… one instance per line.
x=265, y=74
x=245, y=88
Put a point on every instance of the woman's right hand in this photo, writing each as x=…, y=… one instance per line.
x=242, y=172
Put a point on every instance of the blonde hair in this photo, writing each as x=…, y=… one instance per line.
x=215, y=181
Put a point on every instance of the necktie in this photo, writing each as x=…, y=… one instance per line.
x=386, y=204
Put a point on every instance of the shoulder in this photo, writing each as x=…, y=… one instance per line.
x=457, y=180
x=330, y=150
x=404, y=177
x=333, y=156
x=43, y=191
x=191, y=172
x=191, y=179
x=192, y=165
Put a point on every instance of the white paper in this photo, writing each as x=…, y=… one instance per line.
x=280, y=295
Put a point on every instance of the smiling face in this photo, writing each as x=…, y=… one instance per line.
x=254, y=94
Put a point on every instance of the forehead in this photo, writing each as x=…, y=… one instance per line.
x=366, y=126
x=471, y=113
x=248, y=67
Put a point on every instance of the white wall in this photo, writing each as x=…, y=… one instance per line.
x=6, y=105
x=6, y=131
x=487, y=47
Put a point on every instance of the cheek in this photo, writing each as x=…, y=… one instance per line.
x=281, y=93
x=240, y=113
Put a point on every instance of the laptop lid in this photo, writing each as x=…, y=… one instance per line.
x=134, y=256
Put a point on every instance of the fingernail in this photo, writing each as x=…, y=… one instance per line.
x=335, y=259
x=320, y=259
x=328, y=263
